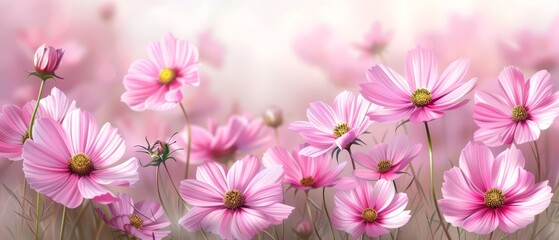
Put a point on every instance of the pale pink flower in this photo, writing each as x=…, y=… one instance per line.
x=143, y=220
x=386, y=161
x=47, y=59
x=423, y=95
x=156, y=84
x=234, y=204
x=14, y=121
x=370, y=210
x=336, y=127
x=527, y=107
x=305, y=173
x=239, y=135
x=486, y=192
x=211, y=50
x=376, y=40
x=73, y=160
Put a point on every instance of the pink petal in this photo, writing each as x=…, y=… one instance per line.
x=200, y=194
x=108, y=147
x=81, y=129
x=242, y=172
x=123, y=174
x=213, y=174
x=421, y=68
x=482, y=222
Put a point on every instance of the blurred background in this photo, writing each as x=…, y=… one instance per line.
x=258, y=54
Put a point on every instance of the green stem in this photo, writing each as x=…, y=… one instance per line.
x=37, y=215
x=351, y=157
x=308, y=205
x=62, y=222
x=326, y=211
x=23, y=201
x=432, y=179
x=159, y=191
x=538, y=163
x=174, y=187
x=188, y=139
x=30, y=130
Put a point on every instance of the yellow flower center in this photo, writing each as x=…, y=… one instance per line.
x=519, y=113
x=307, y=181
x=421, y=97
x=167, y=75
x=341, y=129
x=233, y=199
x=136, y=221
x=384, y=166
x=80, y=164
x=24, y=137
x=493, y=198
x=369, y=215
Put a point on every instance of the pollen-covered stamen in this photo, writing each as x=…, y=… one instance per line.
x=369, y=215
x=167, y=75
x=233, y=199
x=421, y=97
x=80, y=164
x=341, y=129
x=494, y=198
x=519, y=113
x=384, y=166
x=24, y=137
x=307, y=181
x=136, y=221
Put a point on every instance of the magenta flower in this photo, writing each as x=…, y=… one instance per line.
x=74, y=160
x=14, y=122
x=306, y=173
x=370, y=209
x=333, y=128
x=485, y=192
x=144, y=219
x=386, y=161
x=423, y=95
x=235, y=204
x=527, y=107
x=239, y=135
x=46, y=60
x=156, y=84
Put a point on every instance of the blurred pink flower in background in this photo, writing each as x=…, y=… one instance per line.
x=527, y=107
x=156, y=84
x=305, y=173
x=72, y=161
x=239, y=135
x=211, y=50
x=486, y=192
x=369, y=209
x=235, y=204
x=386, y=161
x=375, y=41
x=329, y=128
x=47, y=59
x=423, y=95
x=143, y=220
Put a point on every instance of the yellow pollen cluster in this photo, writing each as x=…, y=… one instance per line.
x=136, y=221
x=233, y=199
x=494, y=198
x=421, y=97
x=307, y=181
x=341, y=129
x=519, y=113
x=369, y=215
x=167, y=75
x=384, y=166
x=80, y=164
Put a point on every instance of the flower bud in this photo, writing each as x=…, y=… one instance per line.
x=273, y=117
x=46, y=61
x=304, y=229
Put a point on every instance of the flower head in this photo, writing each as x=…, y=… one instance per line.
x=370, y=209
x=273, y=117
x=386, y=161
x=46, y=61
x=143, y=220
x=486, y=193
x=376, y=40
x=234, y=204
x=156, y=84
x=527, y=107
x=333, y=128
x=73, y=160
x=159, y=152
x=423, y=95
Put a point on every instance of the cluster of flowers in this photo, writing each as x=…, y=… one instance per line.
x=68, y=158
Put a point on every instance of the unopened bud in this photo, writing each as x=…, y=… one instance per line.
x=273, y=117
x=46, y=61
x=304, y=229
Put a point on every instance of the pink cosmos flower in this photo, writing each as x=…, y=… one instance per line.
x=485, y=192
x=144, y=219
x=234, y=204
x=370, y=209
x=239, y=135
x=423, y=95
x=527, y=107
x=73, y=160
x=211, y=50
x=330, y=128
x=306, y=173
x=14, y=122
x=156, y=84
x=376, y=40
x=386, y=161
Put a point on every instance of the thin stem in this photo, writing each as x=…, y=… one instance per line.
x=276, y=136
x=62, y=222
x=535, y=229
x=491, y=235
x=174, y=187
x=188, y=139
x=269, y=235
x=23, y=206
x=538, y=163
x=80, y=214
x=351, y=157
x=432, y=178
x=395, y=188
x=37, y=215
x=310, y=216
x=30, y=130
x=326, y=211
x=159, y=191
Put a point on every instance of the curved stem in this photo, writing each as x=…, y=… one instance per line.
x=326, y=211
x=174, y=187
x=432, y=179
x=159, y=191
x=188, y=139
x=37, y=215
x=491, y=235
x=310, y=215
x=351, y=157
x=30, y=130
x=538, y=163
x=62, y=223
x=269, y=235
x=276, y=136
x=80, y=214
